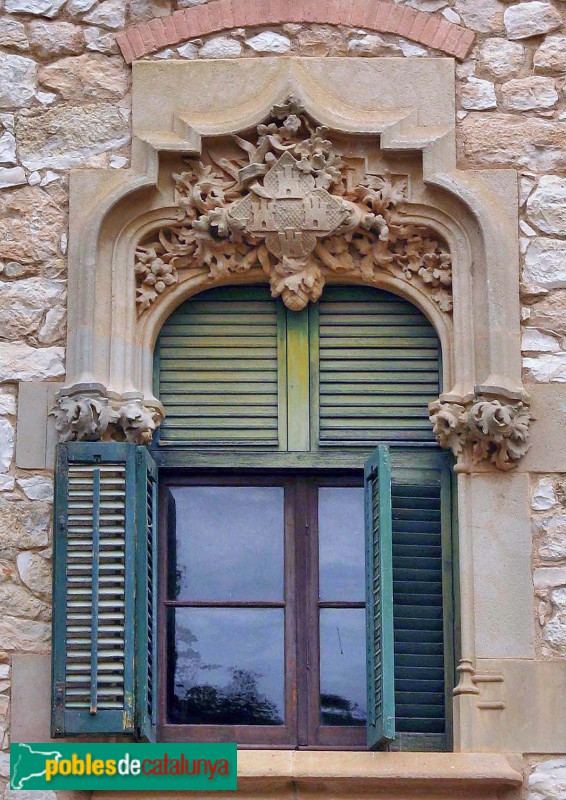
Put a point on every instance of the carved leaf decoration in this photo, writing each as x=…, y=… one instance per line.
x=285, y=206
x=494, y=430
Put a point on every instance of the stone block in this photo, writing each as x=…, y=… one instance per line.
x=87, y=77
x=19, y=361
x=531, y=19
x=547, y=781
x=35, y=446
x=18, y=81
x=546, y=206
x=31, y=677
x=501, y=533
x=67, y=137
x=529, y=94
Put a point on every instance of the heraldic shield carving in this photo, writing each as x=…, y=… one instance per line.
x=287, y=202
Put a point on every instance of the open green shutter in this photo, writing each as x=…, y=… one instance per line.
x=104, y=539
x=379, y=599
x=146, y=595
x=422, y=605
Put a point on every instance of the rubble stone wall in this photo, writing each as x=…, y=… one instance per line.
x=65, y=102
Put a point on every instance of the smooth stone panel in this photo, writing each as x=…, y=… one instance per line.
x=31, y=698
x=503, y=594
x=547, y=452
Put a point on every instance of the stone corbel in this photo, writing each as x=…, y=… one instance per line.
x=90, y=413
x=488, y=427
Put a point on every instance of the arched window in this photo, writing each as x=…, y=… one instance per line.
x=271, y=415
x=290, y=584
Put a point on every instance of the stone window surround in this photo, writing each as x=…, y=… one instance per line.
x=409, y=104
x=110, y=350
x=431, y=30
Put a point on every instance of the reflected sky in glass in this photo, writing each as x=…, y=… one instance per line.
x=228, y=666
x=341, y=543
x=229, y=543
x=342, y=666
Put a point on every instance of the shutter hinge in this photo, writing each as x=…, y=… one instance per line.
x=59, y=708
x=372, y=474
x=61, y=526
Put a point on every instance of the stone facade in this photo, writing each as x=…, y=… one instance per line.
x=65, y=103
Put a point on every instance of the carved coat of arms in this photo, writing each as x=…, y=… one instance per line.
x=290, y=206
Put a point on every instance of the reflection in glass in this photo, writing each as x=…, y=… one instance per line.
x=221, y=535
x=341, y=543
x=342, y=666
x=227, y=666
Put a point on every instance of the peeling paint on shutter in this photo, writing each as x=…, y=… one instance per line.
x=379, y=368
x=218, y=370
x=93, y=625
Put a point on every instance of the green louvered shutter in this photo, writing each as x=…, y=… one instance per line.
x=98, y=534
x=379, y=599
x=421, y=512
x=218, y=370
x=146, y=596
x=379, y=367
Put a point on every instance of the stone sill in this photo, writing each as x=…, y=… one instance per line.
x=331, y=774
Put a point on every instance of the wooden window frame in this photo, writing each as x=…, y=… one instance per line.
x=300, y=451
x=302, y=683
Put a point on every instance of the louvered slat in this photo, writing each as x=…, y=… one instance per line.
x=418, y=609
x=218, y=370
x=379, y=368
x=95, y=627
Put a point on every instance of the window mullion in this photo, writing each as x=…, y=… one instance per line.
x=302, y=600
x=298, y=381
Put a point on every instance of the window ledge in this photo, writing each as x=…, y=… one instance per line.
x=280, y=773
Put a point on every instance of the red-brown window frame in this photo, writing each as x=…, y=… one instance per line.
x=302, y=728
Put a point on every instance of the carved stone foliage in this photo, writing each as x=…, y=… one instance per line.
x=285, y=201
x=490, y=429
x=94, y=417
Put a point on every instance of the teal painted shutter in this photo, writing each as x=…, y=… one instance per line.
x=146, y=596
x=379, y=599
x=379, y=368
x=97, y=540
x=421, y=612
x=218, y=370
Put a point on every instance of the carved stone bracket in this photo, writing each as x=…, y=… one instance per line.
x=90, y=415
x=286, y=202
x=486, y=428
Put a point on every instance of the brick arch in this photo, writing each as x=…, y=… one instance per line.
x=424, y=27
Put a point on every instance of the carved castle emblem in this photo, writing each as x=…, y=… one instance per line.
x=288, y=204
x=289, y=211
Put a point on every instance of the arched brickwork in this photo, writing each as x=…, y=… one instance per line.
x=431, y=30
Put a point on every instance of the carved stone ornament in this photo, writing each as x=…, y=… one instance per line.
x=93, y=417
x=490, y=429
x=288, y=203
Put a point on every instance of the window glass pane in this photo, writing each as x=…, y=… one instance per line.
x=226, y=543
x=341, y=543
x=342, y=666
x=226, y=666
